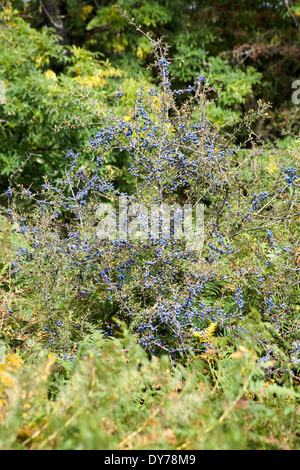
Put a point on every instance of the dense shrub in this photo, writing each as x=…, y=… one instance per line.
x=186, y=308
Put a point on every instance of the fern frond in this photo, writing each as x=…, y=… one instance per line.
x=205, y=335
x=211, y=329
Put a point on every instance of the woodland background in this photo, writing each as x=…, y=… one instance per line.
x=87, y=366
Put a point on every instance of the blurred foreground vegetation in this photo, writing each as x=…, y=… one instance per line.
x=143, y=344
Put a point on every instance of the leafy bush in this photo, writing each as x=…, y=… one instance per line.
x=43, y=85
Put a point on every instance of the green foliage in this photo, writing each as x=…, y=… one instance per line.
x=113, y=397
x=245, y=66
x=44, y=83
x=233, y=87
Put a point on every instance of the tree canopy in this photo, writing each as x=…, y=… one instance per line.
x=53, y=52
